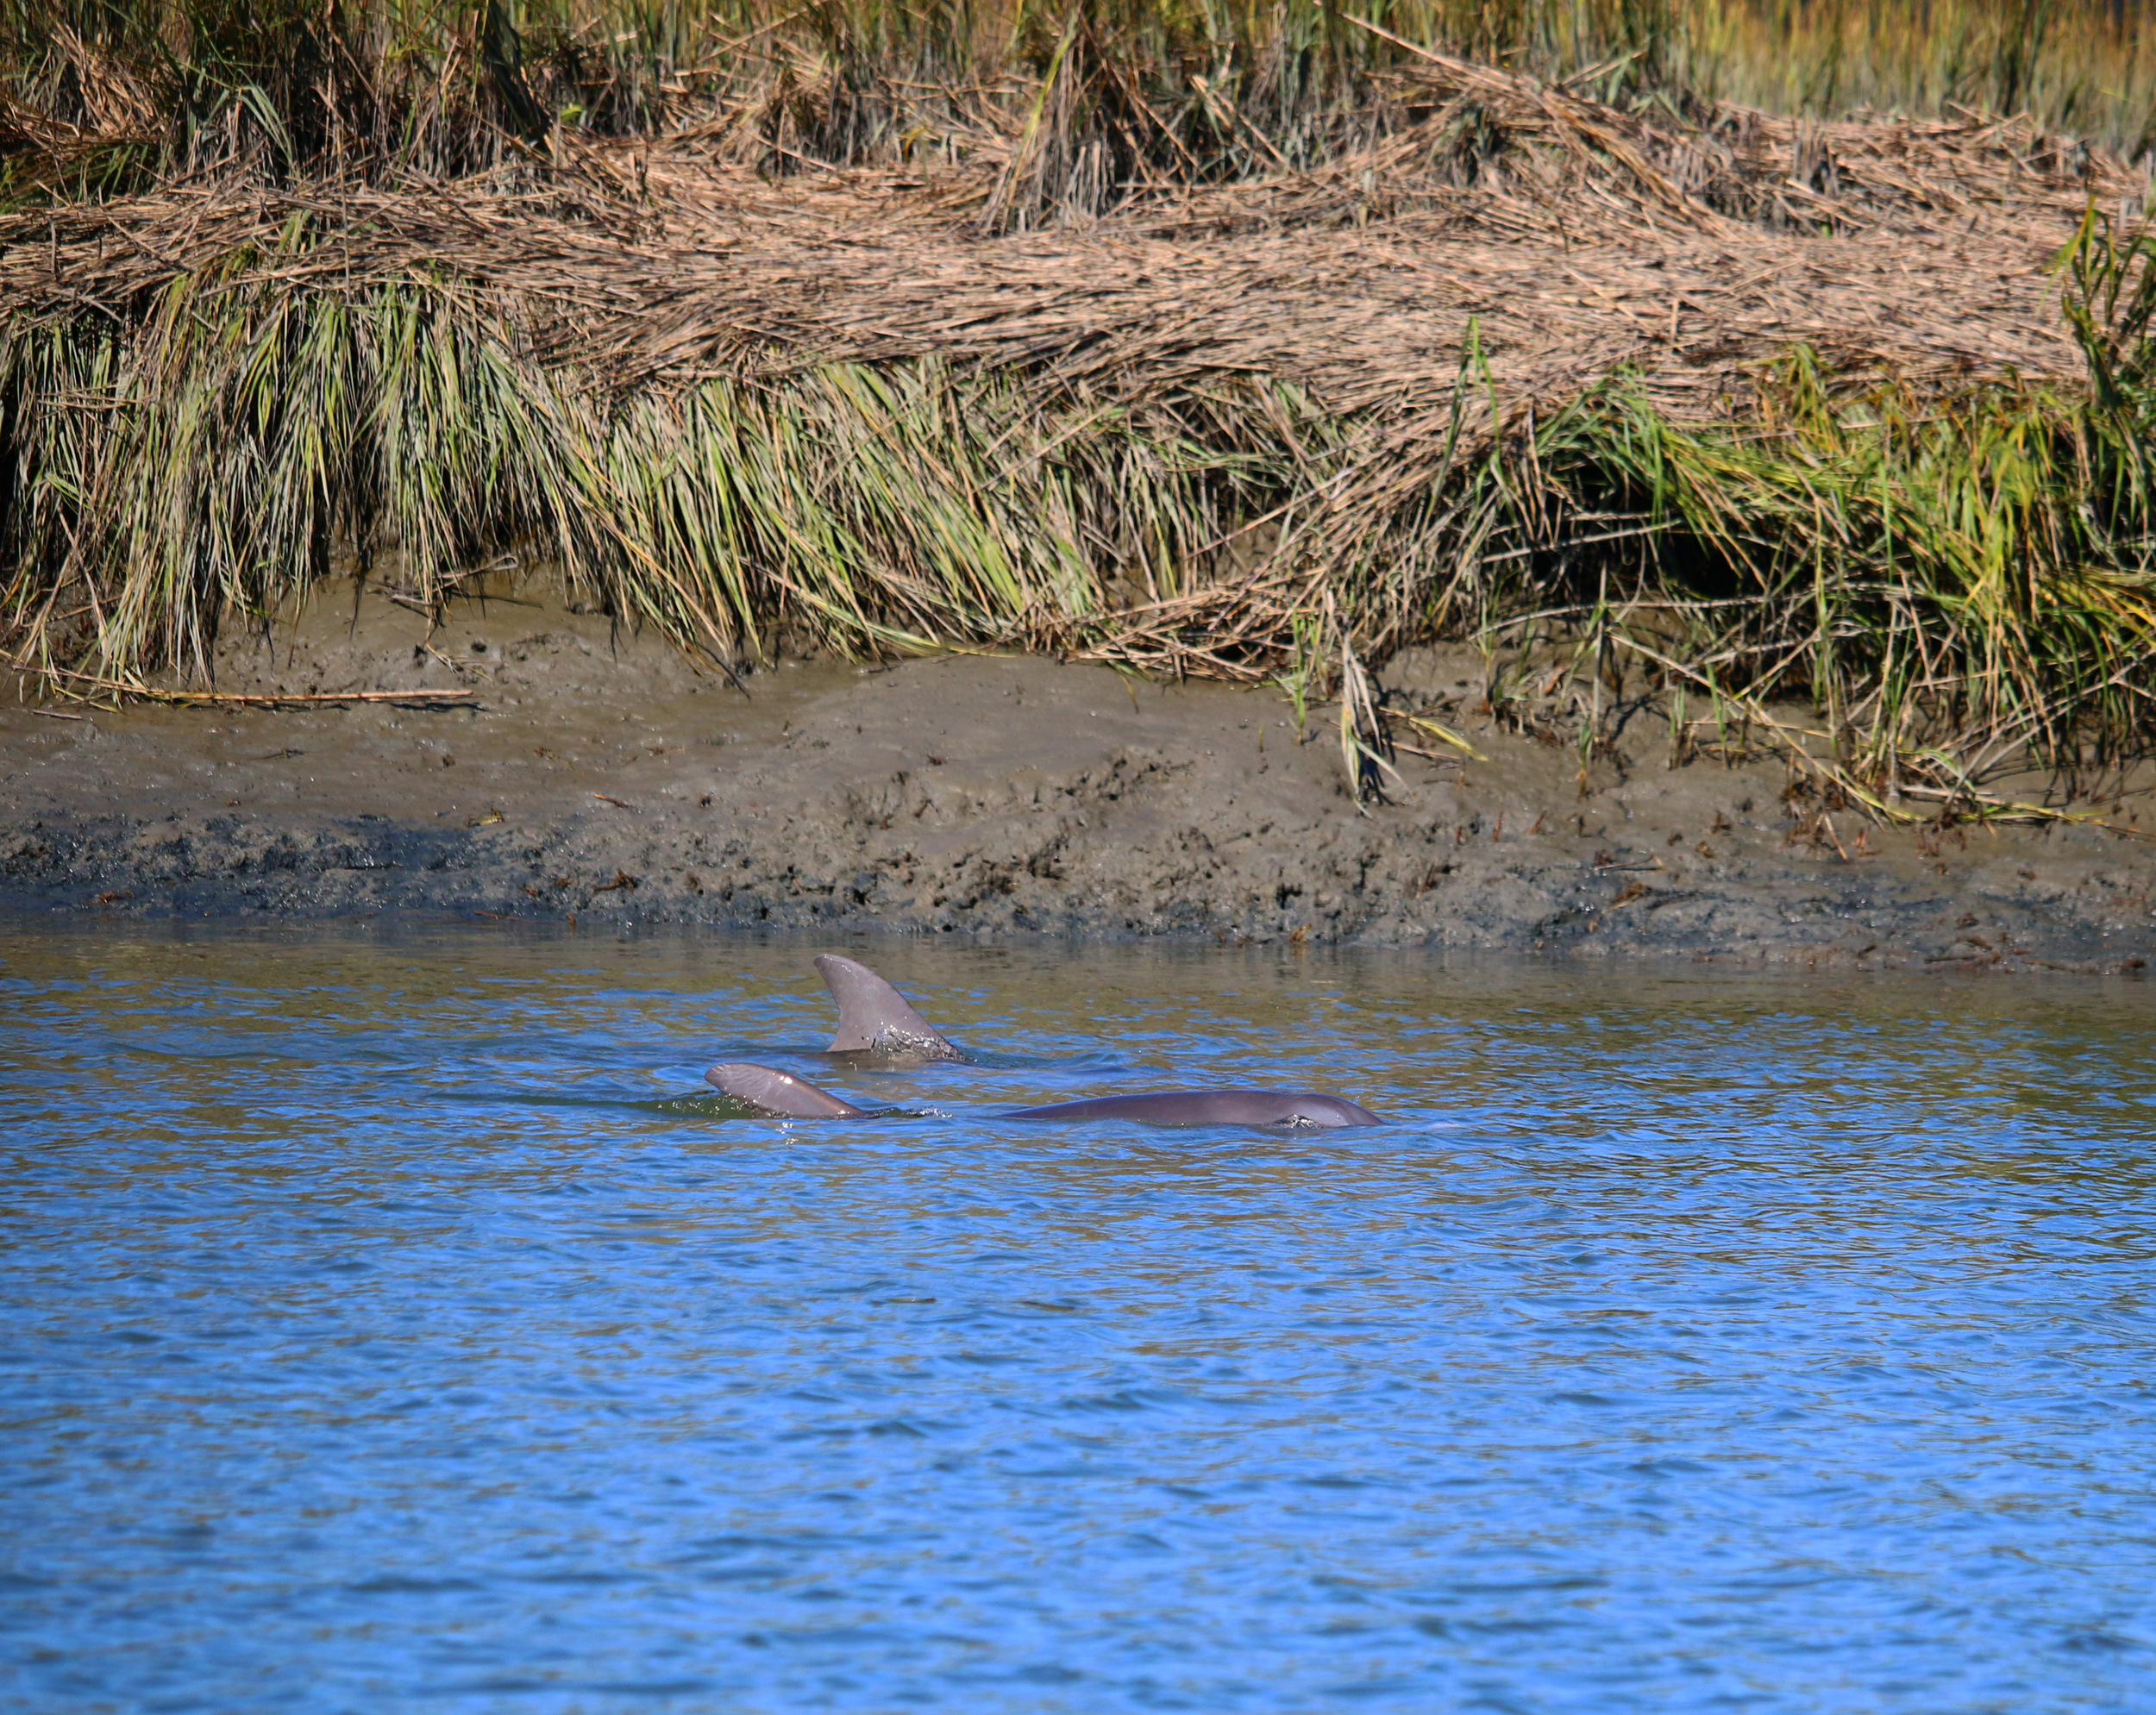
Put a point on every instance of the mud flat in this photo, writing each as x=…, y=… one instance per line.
x=587, y=774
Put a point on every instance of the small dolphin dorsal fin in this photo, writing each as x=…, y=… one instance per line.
x=780, y=1094
x=873, y=1016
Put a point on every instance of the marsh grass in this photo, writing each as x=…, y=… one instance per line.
x=97, y=96
x=1953, y=581
x=1955, y=577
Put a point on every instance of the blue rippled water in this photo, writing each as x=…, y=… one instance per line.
x=390, y=1324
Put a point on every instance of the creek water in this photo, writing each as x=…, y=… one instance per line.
x=387, y=1321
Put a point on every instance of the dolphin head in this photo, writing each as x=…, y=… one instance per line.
x=1309, y=1108
x=875, y=1018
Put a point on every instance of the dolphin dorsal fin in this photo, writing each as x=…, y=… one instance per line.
x=769, y=1090
x=873, y=1016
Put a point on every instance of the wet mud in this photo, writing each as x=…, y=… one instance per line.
x=599, y=777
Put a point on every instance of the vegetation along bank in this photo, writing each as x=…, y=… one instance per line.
x=1615, y=344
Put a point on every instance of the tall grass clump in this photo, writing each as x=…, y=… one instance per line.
x=2086, y=68
x=102, y=94
x=97, y=95
x=246, y=439
x=1955, y=582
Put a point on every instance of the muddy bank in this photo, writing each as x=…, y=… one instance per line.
x=593, y=775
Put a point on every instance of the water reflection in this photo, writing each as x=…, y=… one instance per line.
x=387, y=1321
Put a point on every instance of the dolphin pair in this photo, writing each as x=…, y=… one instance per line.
x=876, y=1018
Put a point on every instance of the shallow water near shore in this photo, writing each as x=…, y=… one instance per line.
x=388, y=1319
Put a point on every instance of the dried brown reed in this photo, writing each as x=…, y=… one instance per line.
x=1781, y=406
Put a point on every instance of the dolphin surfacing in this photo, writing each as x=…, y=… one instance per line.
x=778, y=1094
x=1213, y=1107
x=781, y=1095
x=875, y=1018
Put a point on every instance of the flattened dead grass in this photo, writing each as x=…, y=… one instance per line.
x=1740, y=404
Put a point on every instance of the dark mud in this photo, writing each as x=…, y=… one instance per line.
x=602, y=778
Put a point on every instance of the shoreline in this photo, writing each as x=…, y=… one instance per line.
x=602, y=777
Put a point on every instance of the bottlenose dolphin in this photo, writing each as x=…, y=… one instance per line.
x=1211, y=1107
x=783, y=1096
x=780, y=1094
x=875, y=1018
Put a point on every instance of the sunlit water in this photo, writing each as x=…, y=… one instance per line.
x=389, y=1324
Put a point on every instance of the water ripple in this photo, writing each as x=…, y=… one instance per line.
x=388, y=1319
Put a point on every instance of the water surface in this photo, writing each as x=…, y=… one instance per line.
x=388, y=1322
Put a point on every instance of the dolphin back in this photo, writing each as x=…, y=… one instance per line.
x=873, y=1016
x=780, y=1094
x=1214, y=1107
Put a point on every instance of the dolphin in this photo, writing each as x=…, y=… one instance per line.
x=1211, y=1107
x=783, y=1096
x=875, y=1018
x=780, y=1094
